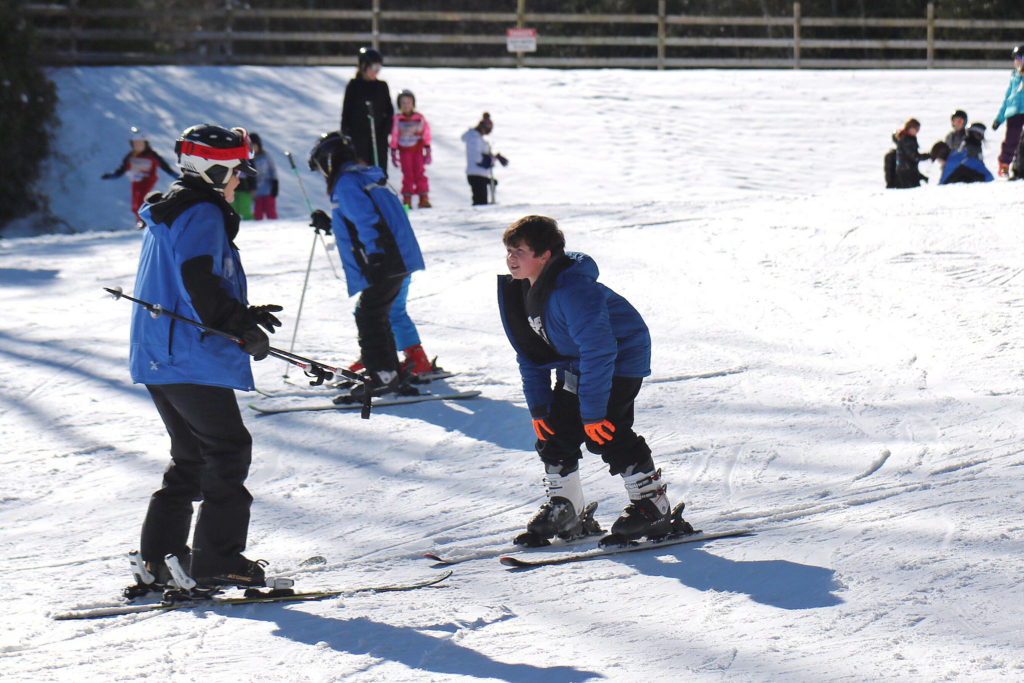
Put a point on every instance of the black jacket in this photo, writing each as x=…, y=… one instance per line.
x=355, y=119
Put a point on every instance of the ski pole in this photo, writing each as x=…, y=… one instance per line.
x=309, y=207
x=309, y=264
x=320, y=372
x=373, y=132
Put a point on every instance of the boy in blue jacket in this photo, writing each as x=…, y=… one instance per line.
x=559, y=317
x=378, y=251
x=189, y=265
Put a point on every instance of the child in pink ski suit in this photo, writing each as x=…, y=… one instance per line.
x=410, y=149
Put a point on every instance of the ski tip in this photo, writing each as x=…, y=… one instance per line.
x=513, y=562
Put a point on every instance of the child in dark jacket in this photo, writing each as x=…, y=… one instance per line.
x=901, y=163
x=140, y=164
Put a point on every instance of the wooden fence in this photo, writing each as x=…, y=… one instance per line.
x=73, y=34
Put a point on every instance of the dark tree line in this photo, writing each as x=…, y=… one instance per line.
x=28, y=104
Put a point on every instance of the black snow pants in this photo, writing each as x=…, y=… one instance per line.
x=373, y=323
x=626, y=448
x=210, y=455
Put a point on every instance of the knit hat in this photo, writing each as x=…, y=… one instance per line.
x=485, y=125
x=959, y=114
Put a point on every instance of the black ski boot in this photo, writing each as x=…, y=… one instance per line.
x=648, y=513
x=380, y=383
x=558, y=515
x=248, y=574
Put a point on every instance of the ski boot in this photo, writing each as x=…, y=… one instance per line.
x=407, y=201
x=380, y=382
x=150, y=577
x=424, y=202
x=648, y=513
x=1004, y=170
x=247, y=574
x=563, y=514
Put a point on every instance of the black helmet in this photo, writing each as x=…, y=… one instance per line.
x=370, y=55
x=405, y=93
x=213, y=153
x=1018, y=51
x=330, y=152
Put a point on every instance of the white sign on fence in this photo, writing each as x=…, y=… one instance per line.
x=522, y=39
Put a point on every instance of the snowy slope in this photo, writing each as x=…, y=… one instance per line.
x=868, y=426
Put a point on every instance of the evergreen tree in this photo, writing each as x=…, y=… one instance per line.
x=28, y=102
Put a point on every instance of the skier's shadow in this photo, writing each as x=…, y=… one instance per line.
x=778, y=583
x=406, y=645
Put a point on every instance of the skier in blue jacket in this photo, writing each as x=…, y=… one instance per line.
x=189, y=265
x=559, y=317
x=378, y=251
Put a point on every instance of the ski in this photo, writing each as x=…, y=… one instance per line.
x=631, y=547
x=699, y=375
x=378, y=402
x=556, y=543
x=252, y=597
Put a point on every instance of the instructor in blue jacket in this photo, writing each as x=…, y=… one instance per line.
x=190, y=265
x=559, y=317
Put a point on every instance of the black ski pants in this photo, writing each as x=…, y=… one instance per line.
x=626, y=447
x=210, y=455
x=480, y=186
x=373, y=323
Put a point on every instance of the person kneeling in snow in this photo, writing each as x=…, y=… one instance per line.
x=901, y=163
x=558, y=317
x=963, y=165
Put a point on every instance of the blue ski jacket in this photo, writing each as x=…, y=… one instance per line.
x=189, y=265
x=962, y=160
x=568, y=321
x=371, y=228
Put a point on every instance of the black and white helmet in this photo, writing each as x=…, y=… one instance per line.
x=330, y=152
x=1018, y=51
x=213, y=153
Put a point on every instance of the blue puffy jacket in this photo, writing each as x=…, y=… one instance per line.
x=590, y=331
x=372, y=229
x=186, y=266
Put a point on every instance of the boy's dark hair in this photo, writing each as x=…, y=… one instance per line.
x=540, y=233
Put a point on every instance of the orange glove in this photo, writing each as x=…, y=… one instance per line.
x=599, y=432
x=540, y=426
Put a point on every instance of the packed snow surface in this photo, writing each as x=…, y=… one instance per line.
x=851, y=390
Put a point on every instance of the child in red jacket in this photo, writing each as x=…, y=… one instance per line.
x=410, y=149
x=140, y=164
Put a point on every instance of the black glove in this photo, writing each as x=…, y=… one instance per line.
x=264, y=315
x=256, y=343
x=321, y=222
x=502, y=160
x=486, y=161
x=108, y=176
x=995, y=124
x=273, y=188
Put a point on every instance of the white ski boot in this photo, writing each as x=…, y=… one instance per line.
x=563, y=514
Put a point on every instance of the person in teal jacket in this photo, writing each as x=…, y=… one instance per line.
x=190, y=265
x=1012, y=112
x=558, y=317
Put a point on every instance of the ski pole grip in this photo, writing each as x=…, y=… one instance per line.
x=291, y=161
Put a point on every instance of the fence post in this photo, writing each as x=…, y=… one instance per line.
x=75, y=25
x=375, y=25
x=227, y=47
x=520, y=23
x=796, y=35
x=931, y=35
x=661, y=35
